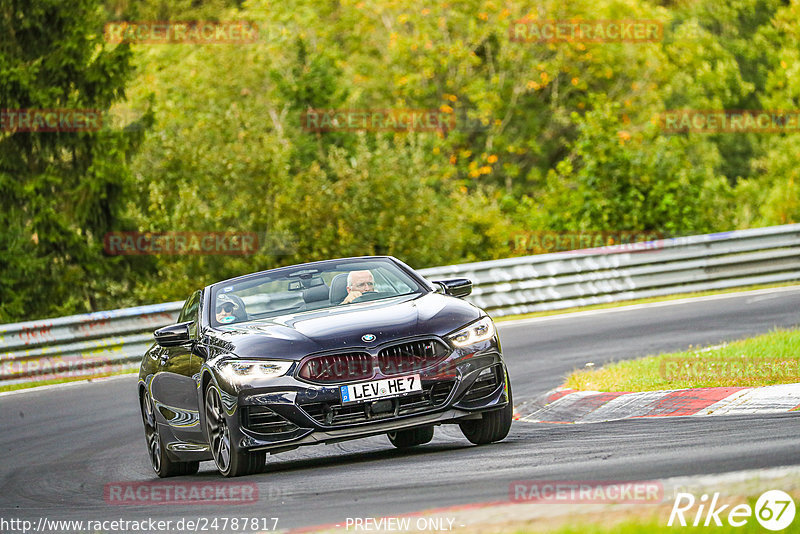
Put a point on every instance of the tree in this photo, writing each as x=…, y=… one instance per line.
x=60, y=191
x=617, y=180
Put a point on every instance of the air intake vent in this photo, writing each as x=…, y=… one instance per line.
x=329, y=368
x=485, y=384
x=411, y=357
x=262, y=420
x=432, y=396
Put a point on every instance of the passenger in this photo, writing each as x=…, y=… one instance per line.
x=225, y=313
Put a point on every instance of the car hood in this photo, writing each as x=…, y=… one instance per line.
x=341, y=328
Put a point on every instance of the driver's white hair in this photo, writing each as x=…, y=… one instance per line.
x=351, y=273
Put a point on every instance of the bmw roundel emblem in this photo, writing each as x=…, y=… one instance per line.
x=368, y=338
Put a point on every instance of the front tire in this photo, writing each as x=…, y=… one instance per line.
x=230, y=461
x=492, y=426
x=162, y=464
x=402, y=439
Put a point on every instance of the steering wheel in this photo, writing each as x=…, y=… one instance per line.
x=373, y=295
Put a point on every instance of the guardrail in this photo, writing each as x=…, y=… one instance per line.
x=104, y=342
x=93, y=344
x=624, y=272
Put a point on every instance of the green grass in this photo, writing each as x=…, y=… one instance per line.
x=769, y=359
x=26, y=385
x=646, y=520
x=621, y=303
x=657, y=526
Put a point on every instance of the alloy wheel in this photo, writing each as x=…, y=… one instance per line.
x=218, y=432
x=151, y=433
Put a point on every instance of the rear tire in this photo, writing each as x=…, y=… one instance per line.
x=492, y=426
x=162, y=464
x=402, y=439
x=230, y=461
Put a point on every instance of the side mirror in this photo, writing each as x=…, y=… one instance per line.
x=172, y=335
x=455, y=287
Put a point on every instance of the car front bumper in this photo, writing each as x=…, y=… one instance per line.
x=285, y=416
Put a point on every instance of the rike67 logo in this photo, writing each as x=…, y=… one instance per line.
x=774, y=510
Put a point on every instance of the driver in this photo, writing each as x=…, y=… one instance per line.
x=358, y=283
x=225, y=312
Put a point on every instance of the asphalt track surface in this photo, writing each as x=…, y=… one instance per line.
x=60, y=447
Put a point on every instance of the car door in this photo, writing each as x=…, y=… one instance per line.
x=174, y=388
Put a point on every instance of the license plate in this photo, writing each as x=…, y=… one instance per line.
x=379, y=389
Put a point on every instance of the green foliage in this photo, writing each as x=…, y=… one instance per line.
x=615, y=180
x=60, y=191
x=161, y=10
x=547, y=136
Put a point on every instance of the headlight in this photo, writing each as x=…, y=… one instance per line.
x=478, y=331
x=240, y=370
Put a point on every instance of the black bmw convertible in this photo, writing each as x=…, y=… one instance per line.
x=319, y=353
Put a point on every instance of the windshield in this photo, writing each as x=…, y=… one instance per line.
x=316, y=286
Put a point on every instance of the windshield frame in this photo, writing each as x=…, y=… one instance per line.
x=421, y=285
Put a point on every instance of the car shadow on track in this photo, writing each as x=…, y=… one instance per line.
x=340, y=458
